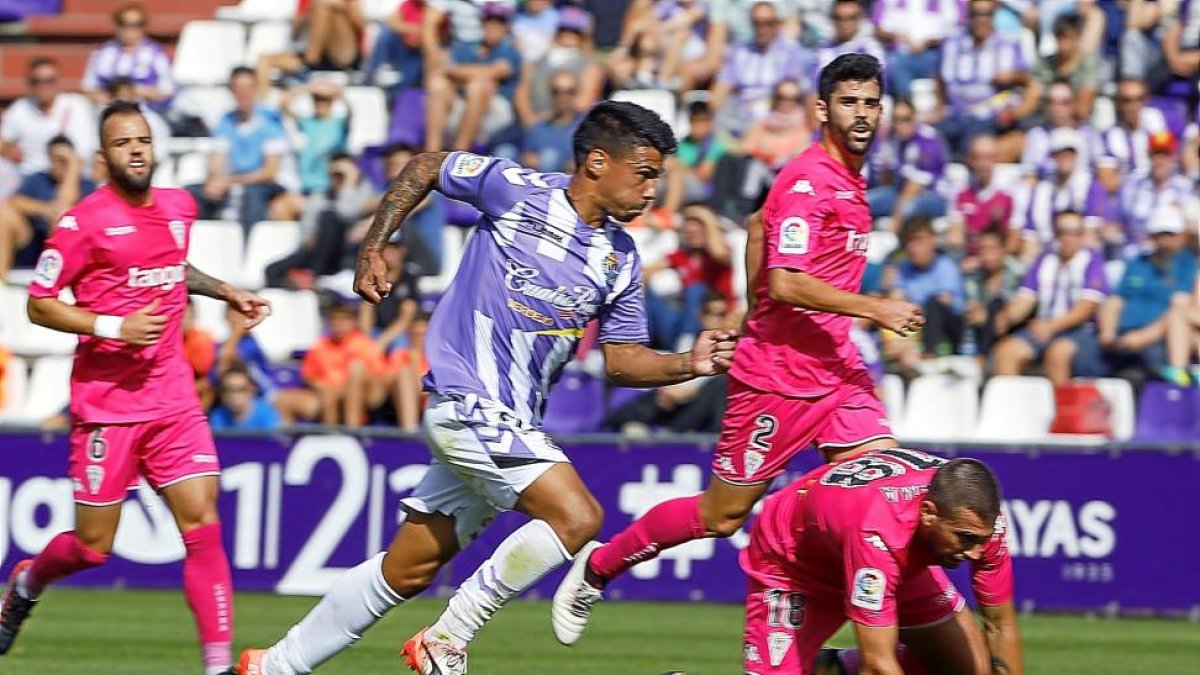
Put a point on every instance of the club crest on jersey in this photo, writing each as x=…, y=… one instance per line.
x=467, y=165
x=95, y=476
x=793, y=235
x=869, y=588
x=857, y=243
x=803, y=187
x=49, y=266
x=752, y=461
x=610, y=268
x=778, y=644
x=177, y=231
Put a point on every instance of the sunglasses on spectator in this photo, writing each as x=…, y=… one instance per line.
x=981, y=14
x=764, y=23
x=38, y=81
x=237, y=389
x=137, y=23
x=902, y=119
x=1070, y=231
x=709, y=312
x=1130, y=99
x=797, y=97
x=563, y=91
x=842, y=18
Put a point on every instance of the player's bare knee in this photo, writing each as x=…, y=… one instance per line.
x=96, y=540
x=578, y=524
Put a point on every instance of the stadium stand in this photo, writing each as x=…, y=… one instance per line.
x=383, y=102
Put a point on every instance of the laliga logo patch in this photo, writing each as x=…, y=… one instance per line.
x=778, y=644
x=869, y=588
x=49, y=266
x=468, y=165
x=793, y=236
x=68, y=223
x=752, y=462
x=177, y=232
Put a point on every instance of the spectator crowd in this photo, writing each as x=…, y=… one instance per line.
x=1034, y=184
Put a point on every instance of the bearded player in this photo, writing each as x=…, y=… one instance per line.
x=866, y=540
x=122, y=251
x=796, y=376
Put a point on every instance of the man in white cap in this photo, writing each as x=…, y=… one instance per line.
x=1132, y=322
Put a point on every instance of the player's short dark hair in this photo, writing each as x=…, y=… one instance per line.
x=60, y=139
x=117, y=108
x=849, y=68
x=966, y=483
x=914, y=225
x=617, y=127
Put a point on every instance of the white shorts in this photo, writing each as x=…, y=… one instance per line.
x=484, y=457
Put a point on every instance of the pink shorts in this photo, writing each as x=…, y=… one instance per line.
x=786, y=627
x=762, y=432
x=107, y=459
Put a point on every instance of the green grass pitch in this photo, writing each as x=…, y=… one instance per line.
x=150, y=633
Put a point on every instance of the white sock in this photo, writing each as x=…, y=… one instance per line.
x=519, y=562
x=358, y=599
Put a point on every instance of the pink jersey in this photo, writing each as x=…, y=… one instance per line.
x=846, y=531
x=816, y=221
x=116, y=258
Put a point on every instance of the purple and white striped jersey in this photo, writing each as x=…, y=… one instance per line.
x=147, y=65
x=968, y=72
x=1059, y=285
x=532, y=276
x=1132, y=146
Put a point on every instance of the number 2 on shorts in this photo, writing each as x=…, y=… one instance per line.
x=760, y=439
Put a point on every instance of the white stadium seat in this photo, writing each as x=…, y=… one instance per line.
x=880, y=244
x=940, y=407
x=660, y=101
x=1015, y=409
x=294, y=324
x=1113, y=271
x=380, y=10
x=454, y=240
x=892, y=388
x=1119, y=395
x=210, y=316
x=924, y=96
x=1008, y=176
x=191, y=169
x=49, y=390
x=269, y=241
x=267, y=37
x=368, y=117
x=216, y=248
x=16, y=380
x=208, y=51
x=252, y=11
x=24, y=337
x=208, y=103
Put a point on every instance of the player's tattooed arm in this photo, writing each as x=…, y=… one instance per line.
x=636, y=365
x=199, y=283
x=405, y=193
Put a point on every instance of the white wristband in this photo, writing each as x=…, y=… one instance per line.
x=108, y=326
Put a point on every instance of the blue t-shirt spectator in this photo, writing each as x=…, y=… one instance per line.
x=1147, y=288
x=42, y=187
x=247, y=144
x=467, y=53
x=551, y=143
x=323, y=138
x=919, y=285
x=262, y=416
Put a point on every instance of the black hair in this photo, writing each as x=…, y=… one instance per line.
x=617, y=127
x=993, y=230
x=699, y=108
x=60, y=139
x=117, y=108
x=339, y=156
x=902, y=101
x=966, y=483
x=713, y=296
x=914, y=225
x=115, y=84
x=1069, y=22
x=849, y=68
x=242, y=70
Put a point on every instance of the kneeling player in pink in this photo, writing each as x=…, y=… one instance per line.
x=122, y=251
x=866, y=540
x=796, y=377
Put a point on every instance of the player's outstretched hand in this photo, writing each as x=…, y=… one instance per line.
x=899, y=316
x=371, y=276
x=713, y=352
x=144, y=327
x=249, y=305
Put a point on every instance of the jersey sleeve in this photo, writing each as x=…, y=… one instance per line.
x=872, y=576
x=992, y=574
x=490, y=184
x=793, y=225
x=623, y=316
x=64, y=258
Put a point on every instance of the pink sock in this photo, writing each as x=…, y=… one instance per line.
x=209, y=591
x=667, y=525
x=63, y=556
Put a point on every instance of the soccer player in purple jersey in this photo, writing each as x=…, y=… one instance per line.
x=548, y=256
